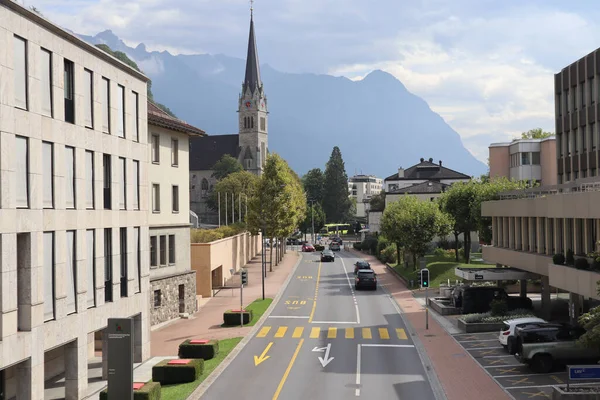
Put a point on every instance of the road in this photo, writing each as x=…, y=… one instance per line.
x=324, y=340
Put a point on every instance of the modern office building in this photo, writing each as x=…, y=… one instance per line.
x=362, y=188
x=532, y=160
x=532, y=225
x=73, y=204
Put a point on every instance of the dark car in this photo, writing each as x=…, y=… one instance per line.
x=293, y=241
x=477, y=299
x=336, y=239
x=361, y=265
x=334, y=246
x=327, y=255
x=366, y=278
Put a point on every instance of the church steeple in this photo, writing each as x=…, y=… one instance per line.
x=252, y=80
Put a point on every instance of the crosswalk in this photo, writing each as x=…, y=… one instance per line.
x=298, y=332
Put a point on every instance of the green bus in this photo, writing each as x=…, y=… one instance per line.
x=332, y=229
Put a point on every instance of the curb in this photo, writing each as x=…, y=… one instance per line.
x=200, y=390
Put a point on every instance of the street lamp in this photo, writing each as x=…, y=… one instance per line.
x=312, y=215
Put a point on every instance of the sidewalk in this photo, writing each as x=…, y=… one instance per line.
x=461, y=377
x=206, y=323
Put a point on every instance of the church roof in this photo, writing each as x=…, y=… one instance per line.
x=252, y=78
x=429, y=170
x=158, y=117
x=422, y=188
x=205, y=151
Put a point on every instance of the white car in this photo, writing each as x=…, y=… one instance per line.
x=507, y=333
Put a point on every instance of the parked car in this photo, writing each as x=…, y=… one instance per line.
x=334, y=246
x=507, y=336
x=308, y=247
x=366, y=278
x=327, y=255
x=477, y=299
x=361, y=265
x=292, y=241
x=542, y=347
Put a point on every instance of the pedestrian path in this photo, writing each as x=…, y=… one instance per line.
x=382, y=333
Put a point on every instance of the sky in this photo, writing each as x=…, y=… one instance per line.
x=486, y=66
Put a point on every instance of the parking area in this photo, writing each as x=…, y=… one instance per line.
x=517, y=379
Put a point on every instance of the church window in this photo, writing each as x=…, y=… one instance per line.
x=264, y=154
x=204, y=188
x=263, y=124
x=248, y=163
x=245, y=122
x=252, y=122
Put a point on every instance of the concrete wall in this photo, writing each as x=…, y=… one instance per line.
x=228, y=253
x=574, y=280
x=548, y=162
x=499, y=161
x=567, y=205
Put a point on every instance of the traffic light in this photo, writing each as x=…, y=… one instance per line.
x=244, y=274
x=424, y=275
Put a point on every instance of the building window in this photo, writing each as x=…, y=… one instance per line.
x=71, y=274
x=204, y=188
x=163, y=251
x=48, y=174
x=22, y=172
x=121, y=111
x=91, y=267
x=106, y=167
x=70, y=176
x=136, y=116
x=582, y=96
x=105, y=105
x=171, y=249
x=123, y=266
x=263, y=152
x=69, y=91
x=576, y=140
x=20, y=72
x=136, y=185
x=175, y=198
x=155, y=197
x=248, y=162
x=594, y=134
x=49, y=276
x=263, y=124
x=137, y=258
x=535, y=158
x=89, y=180
x=593, y=172
x=153, y=251
x=591, y=90
x=88, y=97
x=122, y=184
x=174, y=152
x=108, y=283
x=46, y=81
x=155, y=149
x=569, y=143
x=525, y=159
x=252, y=122
x=157, y=298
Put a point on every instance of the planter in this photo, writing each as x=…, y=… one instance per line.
x=476, y=327
x=580, y=393
x=443, y=307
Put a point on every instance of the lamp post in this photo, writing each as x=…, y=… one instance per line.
x=312, y=215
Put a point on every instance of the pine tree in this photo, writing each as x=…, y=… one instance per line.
x=336, y=202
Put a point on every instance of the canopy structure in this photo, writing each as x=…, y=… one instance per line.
x=493, y=274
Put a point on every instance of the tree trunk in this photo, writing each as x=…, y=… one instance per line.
x=398, y=259
x=414, y=257
x=276, y=252
x=271, y=256
x=456, y=246
x=467, y=246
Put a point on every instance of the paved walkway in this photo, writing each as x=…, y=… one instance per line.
x=461, y=377
x=206, y=323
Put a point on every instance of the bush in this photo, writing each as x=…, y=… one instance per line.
x=150, y=391
x=232, y=318
x=357, y=246
x=558, y=259
x=370, y=244
x=205, y=351
x=439, y=252
x=382, y=243
x=453, y=244
x=167, y=374
x=498, y=307
x=570, y=258
x=582, y=263
x=461, y=253
x=319, y=247
x=443, y=244
x=210, y=235
x=489, y=318
x=388, y=255
x=596, y=264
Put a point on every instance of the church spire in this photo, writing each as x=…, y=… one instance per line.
x=252, y=78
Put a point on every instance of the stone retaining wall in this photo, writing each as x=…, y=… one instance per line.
x=169, y=296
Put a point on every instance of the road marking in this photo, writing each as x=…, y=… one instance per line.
x=357, y=392
x=349, y=333
x=315, y=332
x=287, y=371
x=331, y=333
x=281, y=332
x=263, y=357
x=333, y=322
x=388, y=345
x=298, y=332
x=264, y=331
x=366, y=333
x=314, y=307
x=351, y=291
x=383, y=333
x=288, y=316
x=532, y=395
x=326, y=360
x=401, y=333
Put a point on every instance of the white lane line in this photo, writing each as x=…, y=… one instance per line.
x=482, y=340
x=520, y=376
x=288, y=316
x=387, y=345
x=352, y=291
x=334, y=322
x=357, y=392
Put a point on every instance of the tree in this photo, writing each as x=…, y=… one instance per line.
x=536, y=133
x=225, y=166
x=314, y=184
x=377, y=202
x=319, y=218
x=336, y=202
x=590, y=321
x=240, y=187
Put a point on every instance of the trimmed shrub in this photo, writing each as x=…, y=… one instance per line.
x=232, y=318
x=388, y=255
x=319, y=247
x=439, y=252
x=570, y=257
x=558, y=259
x=205, y=351
x=167, y=374
x=150, y=391
x=357, y=246
x=210, y=235
x=582, y=263
x=370, y=244
x=461, y=252
x=498, y=307
x=596, y=264
x=382, y=243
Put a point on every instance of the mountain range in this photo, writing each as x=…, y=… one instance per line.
x=376, y=122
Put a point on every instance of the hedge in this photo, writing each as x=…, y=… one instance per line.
x=150, y=391
x=169, y=374
x=232, y=318
x=205, y=351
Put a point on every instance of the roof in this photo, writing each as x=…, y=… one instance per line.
x=429, y=170
x=515, y=141
x=158, y=117
x=205, y=151
x=252, y=78
x=422, y=188
x=69, y=37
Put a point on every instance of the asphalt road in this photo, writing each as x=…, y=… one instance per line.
x=325, y=341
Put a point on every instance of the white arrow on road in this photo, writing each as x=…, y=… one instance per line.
x=324, y=360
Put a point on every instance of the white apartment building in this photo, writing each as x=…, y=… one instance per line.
x=73, y=204
x=172, y=281
x=362, y=188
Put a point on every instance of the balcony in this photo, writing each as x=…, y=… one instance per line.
x=530, y=262
x=583, y=282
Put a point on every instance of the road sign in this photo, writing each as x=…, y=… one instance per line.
x=478, y=277
x=584, y=372
x=120, y=358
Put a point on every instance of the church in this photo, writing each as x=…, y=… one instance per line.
x=249, y=146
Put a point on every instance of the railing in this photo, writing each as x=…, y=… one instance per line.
x=581, y=185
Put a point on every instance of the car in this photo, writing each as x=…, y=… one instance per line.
x=507, y=336
x=292, y=241
x=337, y=240
x=306, y=247
x=334, y=246
x=327, y=255
x=361, y=265
x=365, y=278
